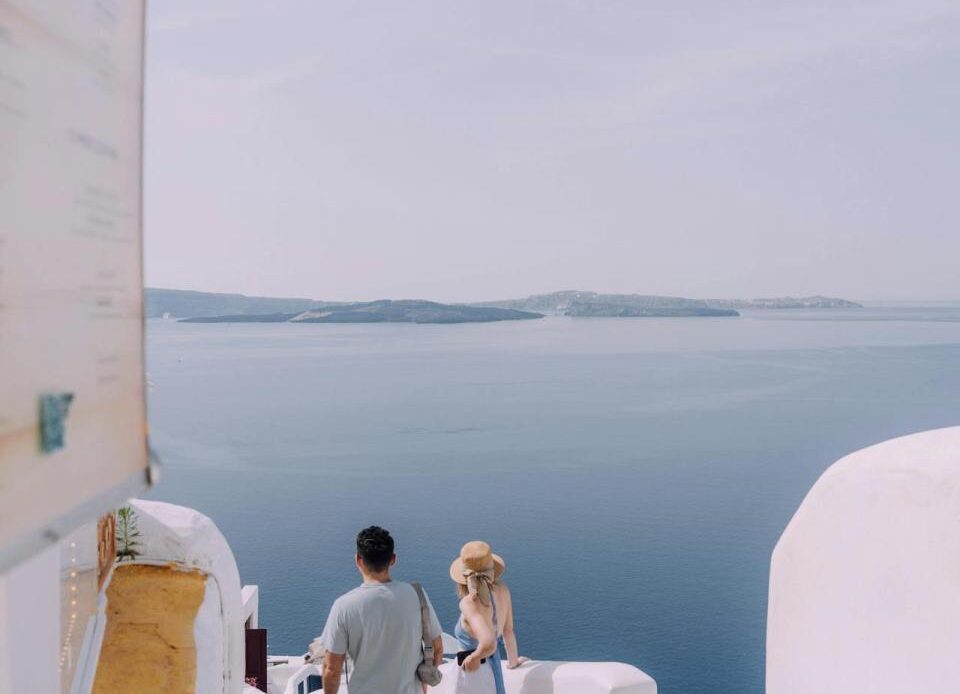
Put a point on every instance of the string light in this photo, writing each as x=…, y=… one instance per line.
x=73, y=573
x=67, y=651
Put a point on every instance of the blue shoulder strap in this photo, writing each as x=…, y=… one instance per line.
x=495, y=662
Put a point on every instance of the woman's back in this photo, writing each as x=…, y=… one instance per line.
x=494, y=615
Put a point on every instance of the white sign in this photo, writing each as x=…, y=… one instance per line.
x=72, y=412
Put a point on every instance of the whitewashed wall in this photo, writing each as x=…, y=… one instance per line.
x=30, y=625
x=865, y=581
x=171, y=533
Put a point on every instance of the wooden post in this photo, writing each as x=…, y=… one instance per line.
x=106, y=547
x=256, y=668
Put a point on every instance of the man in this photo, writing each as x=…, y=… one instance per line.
x=378, y=624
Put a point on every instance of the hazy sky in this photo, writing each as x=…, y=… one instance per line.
x=478, y=150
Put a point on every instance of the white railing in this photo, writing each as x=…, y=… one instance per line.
x=250, y=606
x=286, y=675
x=534, y=677
x=559, y=677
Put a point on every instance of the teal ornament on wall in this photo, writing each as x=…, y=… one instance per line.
x=53, y=420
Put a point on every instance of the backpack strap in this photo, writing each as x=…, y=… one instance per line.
x=424, y=623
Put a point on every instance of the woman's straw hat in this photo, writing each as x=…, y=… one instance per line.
x=476, y=557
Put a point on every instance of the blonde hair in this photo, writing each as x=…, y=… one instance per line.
x=463, y=591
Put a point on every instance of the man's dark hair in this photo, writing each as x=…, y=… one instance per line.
x=375, y=547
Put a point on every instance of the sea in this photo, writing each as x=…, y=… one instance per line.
x=634, y=473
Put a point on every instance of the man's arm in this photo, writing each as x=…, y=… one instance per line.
x=334, y=640
x=435, y=633
x=332, y=668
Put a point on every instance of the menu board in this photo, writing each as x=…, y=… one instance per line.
x=72, y=411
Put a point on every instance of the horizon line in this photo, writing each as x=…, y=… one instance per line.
x=712, y=298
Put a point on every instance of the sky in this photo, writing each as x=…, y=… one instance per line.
x=459, y=151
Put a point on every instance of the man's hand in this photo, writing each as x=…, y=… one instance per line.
x=520, y=661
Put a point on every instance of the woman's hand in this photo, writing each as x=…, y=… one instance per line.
x=519, y=661
x=471, y=663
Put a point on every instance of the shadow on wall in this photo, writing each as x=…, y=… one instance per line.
x=540, y=679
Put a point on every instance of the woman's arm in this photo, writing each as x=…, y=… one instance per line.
x=514, y=660
x=481, y=627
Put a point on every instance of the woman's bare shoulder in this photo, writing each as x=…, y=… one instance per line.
x=469, y=603
x=502, y=590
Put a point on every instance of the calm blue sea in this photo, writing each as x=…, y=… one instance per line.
x=634, y=473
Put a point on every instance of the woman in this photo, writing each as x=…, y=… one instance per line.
x=486, y=617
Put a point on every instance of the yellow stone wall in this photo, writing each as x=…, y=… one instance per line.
x=148, y=647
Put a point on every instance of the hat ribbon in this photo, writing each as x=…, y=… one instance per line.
x=479, y=582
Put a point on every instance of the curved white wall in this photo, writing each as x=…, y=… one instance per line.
x=865, y=580
x=171, y=533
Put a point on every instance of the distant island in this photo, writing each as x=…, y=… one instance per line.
x=593, y=305
x=184, y=303
x=384, y=311
x=208, y=307
x=580, y=303
x=784, y=302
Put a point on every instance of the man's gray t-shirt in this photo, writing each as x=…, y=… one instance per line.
x=378, y=626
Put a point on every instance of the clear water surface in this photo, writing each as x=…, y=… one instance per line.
x=634, y=473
